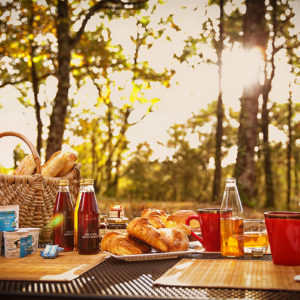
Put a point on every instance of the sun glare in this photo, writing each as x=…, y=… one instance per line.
x=242, y=66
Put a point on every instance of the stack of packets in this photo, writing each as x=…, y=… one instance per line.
x=51, y=251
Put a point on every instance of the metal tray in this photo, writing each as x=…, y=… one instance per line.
x=154, y=255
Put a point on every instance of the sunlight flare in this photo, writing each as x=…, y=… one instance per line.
x=242, y=67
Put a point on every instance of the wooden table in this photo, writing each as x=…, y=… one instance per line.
x=120, y=279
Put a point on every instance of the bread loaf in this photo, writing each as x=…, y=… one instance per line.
x=121, y=244
x=179, y=217
x=70, y=159
x=27, y=166
x=163, y=239
x=59, y=164
x=54, y=165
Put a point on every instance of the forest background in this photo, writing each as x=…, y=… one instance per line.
x=162, y=100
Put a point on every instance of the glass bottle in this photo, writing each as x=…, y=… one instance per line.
x=88, y=220
x=231, y=221
x=63, y=218
x=102, y=226
x=76, y=214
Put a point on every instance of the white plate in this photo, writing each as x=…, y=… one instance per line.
x=154, y=255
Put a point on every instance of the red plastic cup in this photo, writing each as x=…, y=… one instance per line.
x=284, y=237
x=209, y=219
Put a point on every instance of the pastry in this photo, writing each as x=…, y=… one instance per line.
x=122, y=244
x=163, y=239
x=156, y=217
x=179, y=217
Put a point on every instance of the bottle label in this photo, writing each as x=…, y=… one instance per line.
x=68, y=233
x=89, y=235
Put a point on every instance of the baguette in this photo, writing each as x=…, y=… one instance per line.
x=70, y=159
x=27, y=166
x=59, y=164
x=121, y=244
x=54, y=165
x=163, y=239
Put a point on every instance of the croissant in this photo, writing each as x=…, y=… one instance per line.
x=121, y=244
x=163, y=239
x=156, y=217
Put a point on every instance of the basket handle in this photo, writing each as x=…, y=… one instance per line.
x=34, y=152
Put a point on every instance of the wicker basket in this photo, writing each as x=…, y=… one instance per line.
x=35, y=194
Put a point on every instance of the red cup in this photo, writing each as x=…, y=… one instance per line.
x=209, y=219
x=284, y=237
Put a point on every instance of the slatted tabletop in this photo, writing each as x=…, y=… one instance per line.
x=121, y=279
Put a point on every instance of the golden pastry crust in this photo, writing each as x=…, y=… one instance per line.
x=156, y=217
x=163, y=239
x=185, y=228
x=176, y=238
x=122, y=244
x=179, y=217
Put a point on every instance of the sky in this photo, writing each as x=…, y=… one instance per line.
x=191, y=88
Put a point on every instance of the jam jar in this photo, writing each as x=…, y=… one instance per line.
x=117, y=224
x=102, y=226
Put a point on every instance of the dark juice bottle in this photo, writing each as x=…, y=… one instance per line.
x=88, y=220
x=63, y=218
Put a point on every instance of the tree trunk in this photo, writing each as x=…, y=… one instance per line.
x=219, y=113
x=289, y=151
x=57, y=119
x=270, y=201
x=245, y=170
x=35, y=85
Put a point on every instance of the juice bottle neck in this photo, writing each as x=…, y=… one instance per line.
x=63, y=188
x=231, y=206
x=87, y=188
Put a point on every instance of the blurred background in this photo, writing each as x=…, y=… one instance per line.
x=161, y=100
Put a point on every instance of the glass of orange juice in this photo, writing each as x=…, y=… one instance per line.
x=255, y=237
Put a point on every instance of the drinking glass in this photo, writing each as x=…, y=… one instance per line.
x=255, y=237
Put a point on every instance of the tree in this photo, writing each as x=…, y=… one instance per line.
x=255, y=36
x=192, y=48
x=67, y=42
x=25, y=59
x=42, y=40
x=105, y=133
x=219, y=112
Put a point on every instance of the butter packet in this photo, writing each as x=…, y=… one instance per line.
x=51, y=251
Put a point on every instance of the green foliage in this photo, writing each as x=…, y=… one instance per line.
x=187, y=174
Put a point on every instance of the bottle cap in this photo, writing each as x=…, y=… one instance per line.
x=87, y=181
x=64, y=182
